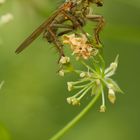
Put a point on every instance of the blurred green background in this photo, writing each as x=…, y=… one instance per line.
x=33, y=99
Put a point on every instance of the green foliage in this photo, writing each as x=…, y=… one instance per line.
x=4, y=134
x=32, y=100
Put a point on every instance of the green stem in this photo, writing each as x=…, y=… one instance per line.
x=76, y=119
x=88, y=67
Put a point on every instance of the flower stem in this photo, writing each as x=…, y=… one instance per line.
x=76, y=119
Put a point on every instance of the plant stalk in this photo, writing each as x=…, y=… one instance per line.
x=76, y=119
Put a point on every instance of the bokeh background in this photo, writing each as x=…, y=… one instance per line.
x=33, y=99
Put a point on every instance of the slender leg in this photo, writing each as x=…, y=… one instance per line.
x=65, y=32
x=76, y=23
x=55, y=27
x=99, y=26
x=56, y=42
x=68, y=28
x=51, y=35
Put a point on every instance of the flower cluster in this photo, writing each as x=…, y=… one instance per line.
x=80, y=46
x=65, y=65
x=6, y=18
x=94, y=80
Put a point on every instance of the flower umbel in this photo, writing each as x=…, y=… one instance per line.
x=80, y=46
x=94, y=80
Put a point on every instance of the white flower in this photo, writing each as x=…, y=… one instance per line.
x=70, y=86
x=80, y=46
x=61, y=73
x=4, y=19
x=74, y=101
x=112, y=68
x=82, y=74
x=94, y=80
x=64, y=60
x=114, y=65
x=111, y=95
x=69, y=100
x=2, y=1
x=102, y=108
x=67, y=38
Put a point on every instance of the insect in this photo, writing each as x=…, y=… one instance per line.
x=70, y=16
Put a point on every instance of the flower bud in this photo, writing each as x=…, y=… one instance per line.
x=64, y=60
x=111, y=96
x=75, y=102
x=70, y=86
x=113, y=65
x=61, y=73
x=82, y=74
x=102, y=108
x=69, y=101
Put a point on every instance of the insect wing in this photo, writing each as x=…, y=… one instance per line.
x=39, y=30
x=36, y=33
x=32, y=37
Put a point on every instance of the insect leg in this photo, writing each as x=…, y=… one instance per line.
x=75, y=22
x=101, y=22
x=68, y=28
x=56, y=42
x=58, y=26
x=65, y=32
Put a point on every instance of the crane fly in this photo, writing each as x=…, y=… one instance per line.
x=77, y=12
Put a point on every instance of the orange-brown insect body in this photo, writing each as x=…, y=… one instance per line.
x=75, y=11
